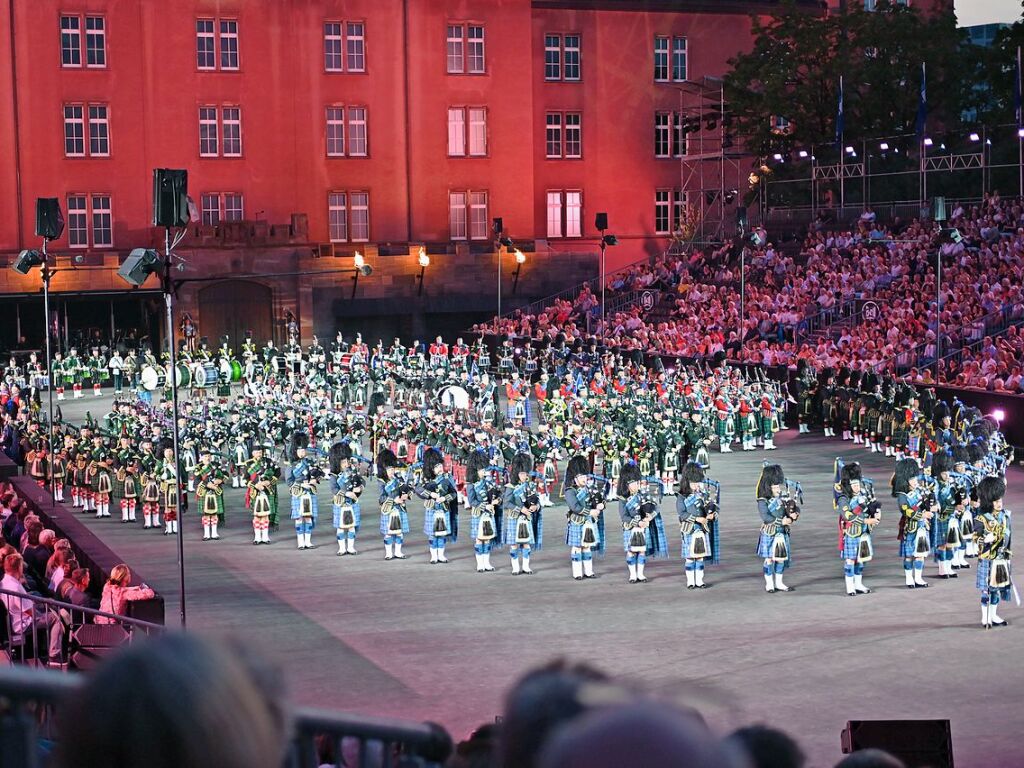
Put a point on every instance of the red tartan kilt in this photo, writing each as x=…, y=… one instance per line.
x=170, y=514
x=459, y=473
x=394, y=447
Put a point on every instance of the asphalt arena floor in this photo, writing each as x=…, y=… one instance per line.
x=444, y=643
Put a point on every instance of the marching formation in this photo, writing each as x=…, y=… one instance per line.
x=467, y=428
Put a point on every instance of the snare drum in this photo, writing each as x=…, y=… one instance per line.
x=531, y=365
x=277, y=365
x=236, y=371
x=484, y=361
x=153, y=378
x=205, y=374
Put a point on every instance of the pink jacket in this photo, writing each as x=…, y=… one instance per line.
x=115, y=600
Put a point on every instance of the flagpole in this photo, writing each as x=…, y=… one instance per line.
x=841, y=130
x=1020, y=139
x=922, y=119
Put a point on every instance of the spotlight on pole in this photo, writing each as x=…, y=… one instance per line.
x=26, y=261
x=884, y=146
x=928, y=142
x=507, y=242
x=140, y=264
x=610, y=240
x=777, y=156
x=974, y=137
x=803, y=153
x=850, y=151
x=999, y=414
x=1020, y=133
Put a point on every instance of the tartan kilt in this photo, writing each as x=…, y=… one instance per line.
x=907, y=544
x=661, y=550
x=384, y=523
x=747, y=424
x=851, y=547
x=296, y=508
x=356, y=515
x=720, y=426
x=900, y=435
x=764, y=546
x=510, y=412
x=767, y=426
x=511, y=523
x=627, y=534
x=981, y=579
x=938, y=532
x=688, y=541
x=428, y=523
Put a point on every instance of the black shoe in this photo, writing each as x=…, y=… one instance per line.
x=690, y=586
x=911, y=586
x=952, y=575
x=1003, y=623
x=851, y=594
x=397, y=557
x=577, y=578
x=591, y=576
x=920, y=586
x=703, y=586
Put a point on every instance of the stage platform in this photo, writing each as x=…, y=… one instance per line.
x=443, y=643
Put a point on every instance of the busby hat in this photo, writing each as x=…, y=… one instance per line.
x=522, y=463
x=432, y=458
x=989, y=490
x=905, y=470
x=577, y=465
x=942, y=461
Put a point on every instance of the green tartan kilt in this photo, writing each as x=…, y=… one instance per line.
x=767, y=426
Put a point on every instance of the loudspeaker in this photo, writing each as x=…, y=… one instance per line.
x=741, y=218
x=25, y=260
x=601, y=222
x=49, y=219
x=170, y=198
x=498, y=225
x=917, y=743
x=939, y=209
x=138, y=265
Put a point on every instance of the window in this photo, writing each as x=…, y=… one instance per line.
x=563, y=135
x=465, y=49
x=70, y=41
x=102, y=224
x=207, y=42
x=872, y=5
x=95, y=41
x=205, y=56
x=78, y=222
x=355, y=46
x=233, y=206
x=74, y=131
x=467, y=128
x=670, y=135
x=332, y=46
x=360, y=216
x=679, y=59
x=668, y=215
x=221, y=206
x=337, y=216
x=99, y=131
x=467, y=215
x=554, y=214
x=86, y=208
x=561, y=57
x=229, y=44
x=357, y=142
x=661, y=59
x=335, y=131
x=208, y=132
x=211, y=209
x=231, y=123
x=457, y=215
x=553, y=134
x=565, y=213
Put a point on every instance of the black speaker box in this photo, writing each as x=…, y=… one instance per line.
x=138, y=265
x=498, y=225
x=49, y=219
x=170, y=198
x=918, y=743
x=601, y=222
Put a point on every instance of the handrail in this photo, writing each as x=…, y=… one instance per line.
x=47, y=601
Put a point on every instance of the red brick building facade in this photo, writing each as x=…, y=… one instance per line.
x=373, y=126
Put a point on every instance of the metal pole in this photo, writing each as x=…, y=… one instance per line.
x=938, y=313
x=50, y=383
x=604, y=333
x=743, y=292
x=168, y=289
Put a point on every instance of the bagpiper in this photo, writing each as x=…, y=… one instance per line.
x=302, y=480
x=697, y=506
x=777, y=512
x=643, y=531
x=523, y=523
x=585, y=495
x=210, y=478
x=440, y=504
x=992, y=529
x=169, y=473
x=347, y=486
x=917, y=506
x=261, y=494
x=859, y=512
x=484, y=500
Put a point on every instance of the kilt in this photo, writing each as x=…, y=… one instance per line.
x=981, y=579
x=525, y=412
x=574, y=535
x=474, y=529
x=907, y=544
x=851, y=547
x=511, y=524
x=296, y=507
x=688, y=541
x=384, y=523
x=938, y=532
x=627, y=534
x=722, y=426
x=767, y=426
x=900, y=435
x=764, y=546
x=659, y=549
x=747, y=424
x=356, y=515
x=428, y=522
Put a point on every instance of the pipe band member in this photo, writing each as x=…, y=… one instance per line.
x=992, y=530
x=643, y=530
x=945, y=529
x=441, y=506
x=484, y=499
x=302, y=480
x=917, y=507
x=347, y=486
x=697, y=509
x=585, y=496
x=777, y=515
x=859, y=512
x=523, y=522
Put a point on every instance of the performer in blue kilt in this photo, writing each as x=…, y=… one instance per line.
x=697, y=507
x=917, y=506
x=966, y=482
x=441, y=506
x=992, y=530
x=859, y=512
x=302, y=479
x=394, y=521
x=346, y=487
x=777, y=515
x=523, y=524
x=945, y=529
x=585, y=495
x=483, y=496
x=643, y=531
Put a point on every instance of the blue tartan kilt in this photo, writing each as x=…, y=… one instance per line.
x=688, y=541
x=474, y=529
x=296, y=502
x=981, y=579
x=428, y=524
x=384, y=523
x=661, y=550
x=510, y=533
x=907, y=543
x=851, y=547
x=510, y=412
x=938, y=533
x=628, y=534
x=764, y=546
x=574, y=536
x=356, y=514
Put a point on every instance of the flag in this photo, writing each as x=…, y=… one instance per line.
x=840, y=117
x=922, y=106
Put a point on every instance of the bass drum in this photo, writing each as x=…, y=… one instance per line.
x=454, y=397
x=225, y=370
x=153, y=378
x=236, y=371
x=184, y=377
x=206, y=374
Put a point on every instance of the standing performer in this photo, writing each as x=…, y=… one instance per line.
x=261, y=495
x=441, y=505
x=643, y=531
x=302, y=480
x=167, y=474
x=189, y=331
x=347, y=486
x=484, y=500
x=394, y=520
x=517, y=392
x=992, y=530
x=116, y=366
x=127, y=480
x=945, y=528
x=210, y=479
x=150, y=464
x=523, y=524
x=859, y=512
x=585, y=495
x=917, y=506
x=777, y=515
x=697, y=507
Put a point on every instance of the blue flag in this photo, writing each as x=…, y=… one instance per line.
x=922, y=106
x=840, y=117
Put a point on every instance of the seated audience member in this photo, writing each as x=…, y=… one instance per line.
x=29, y=623
x=75, y=589
x=117, y=594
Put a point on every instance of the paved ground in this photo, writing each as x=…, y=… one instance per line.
x=442, y=642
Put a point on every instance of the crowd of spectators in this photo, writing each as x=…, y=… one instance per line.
x=790, y=295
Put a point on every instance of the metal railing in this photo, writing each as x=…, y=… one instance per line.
x=54, y=631
x=318, y=737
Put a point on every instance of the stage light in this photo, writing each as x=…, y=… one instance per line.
x=424, y=259
x=999, y=415
x=883, y=146
x=366, y=270
x=607, y=240
x=849, y=151
x=803, y=153
x=928, y=142
x=358, y=260
x=26, y=260
x=942, y=146
x=777, y=156
x=140, y=264
x=974, y=137
x=521, y=257
x=989, y=142
x=1020, y=133
x=79, y=258
x=507, y=242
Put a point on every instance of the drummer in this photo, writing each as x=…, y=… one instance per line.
x=225, y=359
x=439, y=354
